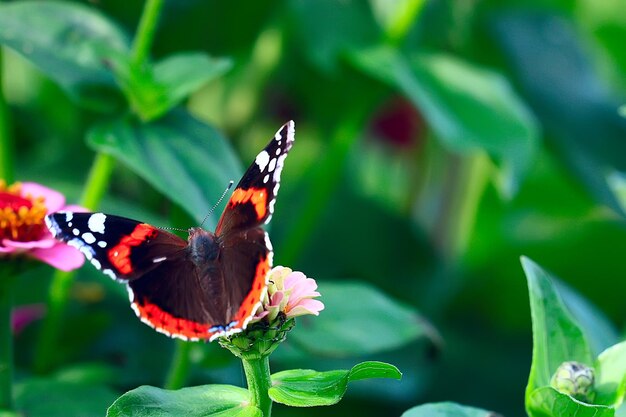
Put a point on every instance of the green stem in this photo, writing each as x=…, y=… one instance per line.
x=181, y=364
x=6, y=342
x=259, y=382
x=7, y=157
x=145, y=31
x=96, y=186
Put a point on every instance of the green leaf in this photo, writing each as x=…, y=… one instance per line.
x=186, y=160
x=548, y=402
x=469, y=108
x=50, y=398
x=327, y=28
x=446, y=409
x=573, y=101
x=308, y=388
x=153, y=91
x=346, y=329
x=396, y=16
x=610, y=370
x=202, y=401
x=68, y=42
x=557, y=338
x=599, y=332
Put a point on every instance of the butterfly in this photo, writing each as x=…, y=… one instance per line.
x=207, y=286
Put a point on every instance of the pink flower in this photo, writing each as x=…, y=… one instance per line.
x=24, y=315
x=23, y=207
x=289, y=292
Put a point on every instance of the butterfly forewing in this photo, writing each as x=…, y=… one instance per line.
x=252, y=202
x=121, y=248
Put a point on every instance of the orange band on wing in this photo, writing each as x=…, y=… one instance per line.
x=249, y=304
x=119, y=255
x=257, y=196
x=173, y=326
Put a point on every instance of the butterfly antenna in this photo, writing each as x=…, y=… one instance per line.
x=230, y=184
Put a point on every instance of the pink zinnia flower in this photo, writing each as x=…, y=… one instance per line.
x=23, y=207
x=289, y=292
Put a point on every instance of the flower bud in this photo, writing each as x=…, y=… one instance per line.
x=575, y=379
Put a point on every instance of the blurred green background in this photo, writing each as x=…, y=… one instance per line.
x=436, y=142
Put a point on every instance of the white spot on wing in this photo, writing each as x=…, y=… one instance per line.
x=272, y=165
x=89, y=238
x=278, y=151
x=69, y=216
x=96, y=263
x=262, y=160
x=102, y=244
x=157, y=260
x=76, y=232
x=96, y=222
x=266, y=178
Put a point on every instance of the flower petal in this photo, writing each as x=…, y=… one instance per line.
x=60, y=256
x=26, y=314
x=43, y=244
x=53, y=200
x=306, y=306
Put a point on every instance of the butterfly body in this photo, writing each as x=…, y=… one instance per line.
x=207, y=286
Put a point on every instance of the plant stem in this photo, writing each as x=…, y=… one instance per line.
x=145, y=31
x=6, y=339
x=179, y=369
x=7, y=157
x=96, y=186
x=259, y=382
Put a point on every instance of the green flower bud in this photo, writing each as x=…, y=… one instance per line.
x=259, y=339
x=575, y=379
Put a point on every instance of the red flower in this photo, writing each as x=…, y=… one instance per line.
x=23, y=207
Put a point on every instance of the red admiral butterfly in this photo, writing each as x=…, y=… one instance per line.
x=208, y=286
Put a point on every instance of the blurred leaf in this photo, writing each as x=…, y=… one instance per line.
x=87, y=373
x=154, y=90
x=186, y=160
x=50, y=398
x=345, y=328
x=610, y=370
x=308, y=388
x=68, y=42
x=327, y=28
x=469, y=108
x=556, y=336
x=201, y=401
x=396, y=16
x=599, y=331
x=446, y=410
x=557, y=74
x=548, y=402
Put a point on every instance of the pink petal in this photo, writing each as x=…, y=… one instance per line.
x=24, y=315
x=60, y=256
x=43, y=244
x=53, y=200
x=293, y=278
x=74, y=208
x=304, y=289
x=277, y=298
x=6, y=249
x=307, y=306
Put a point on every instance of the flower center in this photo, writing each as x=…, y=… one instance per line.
x=21, y=217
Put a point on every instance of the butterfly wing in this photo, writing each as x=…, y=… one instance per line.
x=121, y=248
x=252, y=202
x=245, y=249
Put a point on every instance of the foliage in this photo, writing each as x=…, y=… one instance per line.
x=436, y=143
